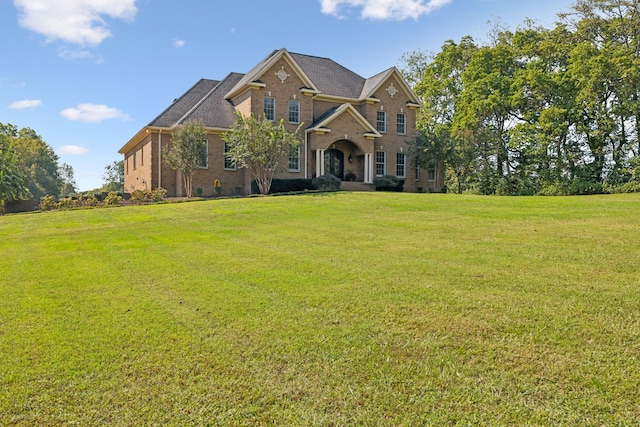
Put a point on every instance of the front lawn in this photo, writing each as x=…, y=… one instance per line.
x=324, y=309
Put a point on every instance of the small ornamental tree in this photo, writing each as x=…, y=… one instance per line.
x=259, y=145
x=188, y=152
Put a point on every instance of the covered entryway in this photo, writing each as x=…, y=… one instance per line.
x=345, y=160
x=334, y=163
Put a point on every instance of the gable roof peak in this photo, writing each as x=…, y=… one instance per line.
x=374, y=83
x=254, y=75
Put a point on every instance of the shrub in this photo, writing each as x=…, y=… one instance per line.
x=47, y=203
x=66, y=203
x=91, y=201
x=139, y=196
x=290, y=185
x=158, y=194
x=283, y=186
x=580, y=187
x=388, y=183
x=326, y=183
x=627, y=187
x=113, y=199
x=551, y=190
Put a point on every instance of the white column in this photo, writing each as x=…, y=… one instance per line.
x=319, y=162
x=368, y=168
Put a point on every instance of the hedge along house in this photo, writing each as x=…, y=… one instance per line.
x=352, y=126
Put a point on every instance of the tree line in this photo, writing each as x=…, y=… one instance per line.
x=537, y=110
x=29, y=168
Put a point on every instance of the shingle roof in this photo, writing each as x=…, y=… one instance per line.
x=330, y=77
x=253, y=73
x=181, y=106
x=372, y=83
x=214, y=110
x=206, y=100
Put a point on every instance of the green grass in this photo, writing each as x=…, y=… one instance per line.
x=337, y=309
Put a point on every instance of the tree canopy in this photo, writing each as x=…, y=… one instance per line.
x=538, y=110
x=259, y=145
x=29, y=167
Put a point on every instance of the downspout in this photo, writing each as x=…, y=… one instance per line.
x=160, y=158
x=306, y=154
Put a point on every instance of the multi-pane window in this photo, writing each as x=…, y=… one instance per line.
x=228, y=161
x=432, y=173
x=294, y=111
x=401, y=120
x=203, y=155
x=417, y=171
x=381, y=121
x=294, y=159
x=401, y=165
x=381, y=163
x=270, y=108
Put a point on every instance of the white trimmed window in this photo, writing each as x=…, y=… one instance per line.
x=203, y=155
x=417, y=171
x=294, y=111
x=401, y=165
x=294, y=159
x=229, y=164
x=432, y=173
x=401, y=123
x=381, y=121
x=270, y=108
x=381, y=163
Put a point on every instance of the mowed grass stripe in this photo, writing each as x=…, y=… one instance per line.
x=345, y=308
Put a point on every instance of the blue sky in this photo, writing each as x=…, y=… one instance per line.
x=87, y=75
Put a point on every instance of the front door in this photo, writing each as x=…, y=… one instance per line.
x=334, y=163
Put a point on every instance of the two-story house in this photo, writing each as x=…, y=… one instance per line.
x=351, y=124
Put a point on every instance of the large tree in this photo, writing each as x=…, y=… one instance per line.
x=260, y=145
x=188, y=152
x=36, y=159
x=13, y=181
x=67, y=181
x=438, y=81
x=114, y=176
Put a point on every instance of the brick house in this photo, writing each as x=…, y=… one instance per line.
x=351, y=124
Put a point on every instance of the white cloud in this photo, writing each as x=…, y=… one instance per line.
x=26, y=104
x=179, y=43
x=92, y=113
x=74, y=54
x=74, y=21
x=384, y=9
x=74, y=150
